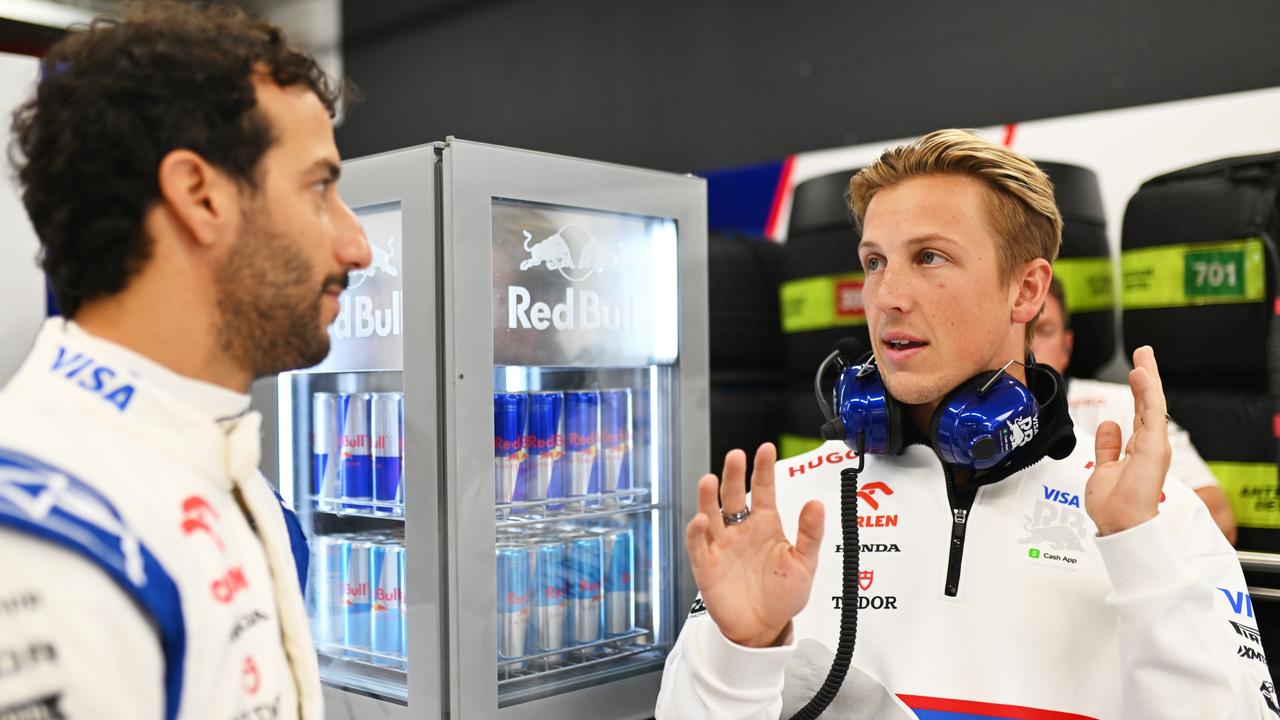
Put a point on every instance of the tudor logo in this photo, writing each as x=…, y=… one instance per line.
x=865, y=578
x=557, y=252
x=868, y=491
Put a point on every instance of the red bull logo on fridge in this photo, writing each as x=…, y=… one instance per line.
x=360, y=317
x=581, y=310
x=557, y=251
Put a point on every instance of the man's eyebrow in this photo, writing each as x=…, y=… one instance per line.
x=918, y=240
x=332, y=169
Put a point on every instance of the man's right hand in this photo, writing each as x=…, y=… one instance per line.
x=752, y=580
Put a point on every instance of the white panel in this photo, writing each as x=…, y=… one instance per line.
x=21, y=281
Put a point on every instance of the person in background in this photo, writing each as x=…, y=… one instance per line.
x=1065, y=579
x=1090, y=402
x=180, y=170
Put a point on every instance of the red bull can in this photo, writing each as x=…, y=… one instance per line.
x=544, y=443
x=404, y=606
x=582, y=439
x=615, y=440
x=619, y=581
x=325, y=451
x=550, y=599
x=509, y=415
x=326, y=592
x=513, y=600
x=357, y=463
x=388, y=599
x=584, y=577
x=357, y=595
x=388, y=451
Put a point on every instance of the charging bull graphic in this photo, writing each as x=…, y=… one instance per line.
x=556, y=253
x=381, y=262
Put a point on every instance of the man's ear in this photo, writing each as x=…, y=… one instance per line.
x=201, y=198
x=1031, y=289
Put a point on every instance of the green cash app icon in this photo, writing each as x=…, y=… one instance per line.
x=1033, y=553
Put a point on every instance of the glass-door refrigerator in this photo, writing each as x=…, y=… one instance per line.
x=495, y=462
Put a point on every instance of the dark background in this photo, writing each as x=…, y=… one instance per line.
x=705, y=84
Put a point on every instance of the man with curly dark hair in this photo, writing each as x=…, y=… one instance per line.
x=179, y=167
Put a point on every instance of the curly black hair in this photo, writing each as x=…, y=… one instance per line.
x=113, y=100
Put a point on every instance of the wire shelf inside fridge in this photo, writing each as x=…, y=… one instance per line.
x=347, y=507
x=583, y=507
x=369, y=673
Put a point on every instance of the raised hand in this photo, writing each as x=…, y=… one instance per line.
x=1125, y=491
x=752, y=580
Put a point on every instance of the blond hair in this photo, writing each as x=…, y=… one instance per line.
x=1021, y=206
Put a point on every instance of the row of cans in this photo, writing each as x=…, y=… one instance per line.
x=561, y=444
x=357, y=442
x=357, y=593
x=558, y=590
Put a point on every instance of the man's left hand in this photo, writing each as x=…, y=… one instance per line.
x=1124, y=491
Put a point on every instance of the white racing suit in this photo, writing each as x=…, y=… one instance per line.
x=1011, y=607
x=149, y=570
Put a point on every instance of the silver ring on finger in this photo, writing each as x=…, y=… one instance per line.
x=736, y=518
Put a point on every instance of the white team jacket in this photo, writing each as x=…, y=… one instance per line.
x=1092, y=401
x=1049, y=621
x=148, y=567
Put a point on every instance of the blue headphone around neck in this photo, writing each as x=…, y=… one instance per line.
x=976, y=426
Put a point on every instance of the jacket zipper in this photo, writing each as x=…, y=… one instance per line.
x=961, y=503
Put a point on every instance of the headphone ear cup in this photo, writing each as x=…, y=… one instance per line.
x=894, y=434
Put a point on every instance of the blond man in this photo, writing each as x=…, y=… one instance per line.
x=1066, y=581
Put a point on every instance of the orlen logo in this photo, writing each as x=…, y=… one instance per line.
x=867, y=495
x=557, y=253
x=226, y=588
x=868, y=491
x=849, y=299
x=199, y=516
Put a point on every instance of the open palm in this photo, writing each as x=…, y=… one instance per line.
x=752, y=580
x=1124, y=491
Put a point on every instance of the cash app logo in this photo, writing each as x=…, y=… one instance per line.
x=1034, y=553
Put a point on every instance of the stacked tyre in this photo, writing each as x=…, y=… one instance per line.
x=746, y=347
x=1199, y=277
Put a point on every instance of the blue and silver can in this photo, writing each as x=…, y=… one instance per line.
x=357, y=463
x=388, y=599
x=325, y=451
x=584, y=577
x=388, y=451
x=550, y=604
x=326, y=591
x=509, y=414
x=615, y=440
x=404, y=605
x=357, y=595
x=619, y=581
x=513, y=600
x=582, y=440
x=544, y=443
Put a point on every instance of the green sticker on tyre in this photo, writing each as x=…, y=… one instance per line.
x=1214, y=273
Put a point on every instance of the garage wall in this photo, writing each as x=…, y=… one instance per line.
x=680, y=85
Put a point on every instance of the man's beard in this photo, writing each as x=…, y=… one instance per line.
x=268, y=304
